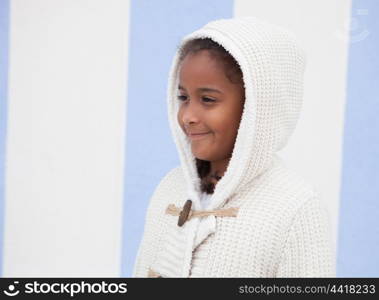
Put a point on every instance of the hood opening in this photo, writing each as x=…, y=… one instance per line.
x=232, y=71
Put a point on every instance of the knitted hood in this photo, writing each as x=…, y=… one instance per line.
x=272, y=64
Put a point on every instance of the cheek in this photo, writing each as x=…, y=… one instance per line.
x=224, y=124
x=226, y=129
x=179, y=118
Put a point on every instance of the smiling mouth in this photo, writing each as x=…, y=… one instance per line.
x=198, y=136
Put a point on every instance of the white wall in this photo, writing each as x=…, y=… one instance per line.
x=315, y=149
x=65, y=146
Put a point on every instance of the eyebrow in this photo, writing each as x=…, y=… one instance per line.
x=203, y=89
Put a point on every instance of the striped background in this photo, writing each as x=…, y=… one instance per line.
x=84, y=135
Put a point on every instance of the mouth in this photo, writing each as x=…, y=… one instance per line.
x=198, y=136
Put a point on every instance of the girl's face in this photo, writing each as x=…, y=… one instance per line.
x=210, y=105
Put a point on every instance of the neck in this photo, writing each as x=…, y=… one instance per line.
x=218, y=168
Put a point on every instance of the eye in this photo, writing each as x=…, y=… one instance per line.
x=205, y=99
x=208, y=100
x=182, y=97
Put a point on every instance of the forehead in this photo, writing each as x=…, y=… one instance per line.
x=201, y=68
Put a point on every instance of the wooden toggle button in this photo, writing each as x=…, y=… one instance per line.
x=183, y=216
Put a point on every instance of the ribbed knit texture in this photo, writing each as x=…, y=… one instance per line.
x=282, y=228
x=200, y=253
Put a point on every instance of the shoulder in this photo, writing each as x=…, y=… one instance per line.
x=170, y=187
x=174, y=173
x=282, y=194
x=174, y=178
x=301, y=201
x=294, y=189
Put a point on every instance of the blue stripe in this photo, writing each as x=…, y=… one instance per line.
x=358, y=242
x=4, y=50
x=156, y=28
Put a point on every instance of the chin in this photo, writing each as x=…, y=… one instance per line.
x=202, y=153
x=201, y=156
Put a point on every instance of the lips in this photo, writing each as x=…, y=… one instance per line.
x=197, y=135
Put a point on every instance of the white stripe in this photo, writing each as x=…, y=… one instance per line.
x=321, y=26
x=65, y=146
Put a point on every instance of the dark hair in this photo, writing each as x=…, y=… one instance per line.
x=233, y=73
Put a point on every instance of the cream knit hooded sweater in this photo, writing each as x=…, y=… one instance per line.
x=282, y=229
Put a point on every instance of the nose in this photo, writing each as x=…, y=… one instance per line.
x=190, y=113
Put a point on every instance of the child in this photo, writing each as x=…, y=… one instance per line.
x=232, y=208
